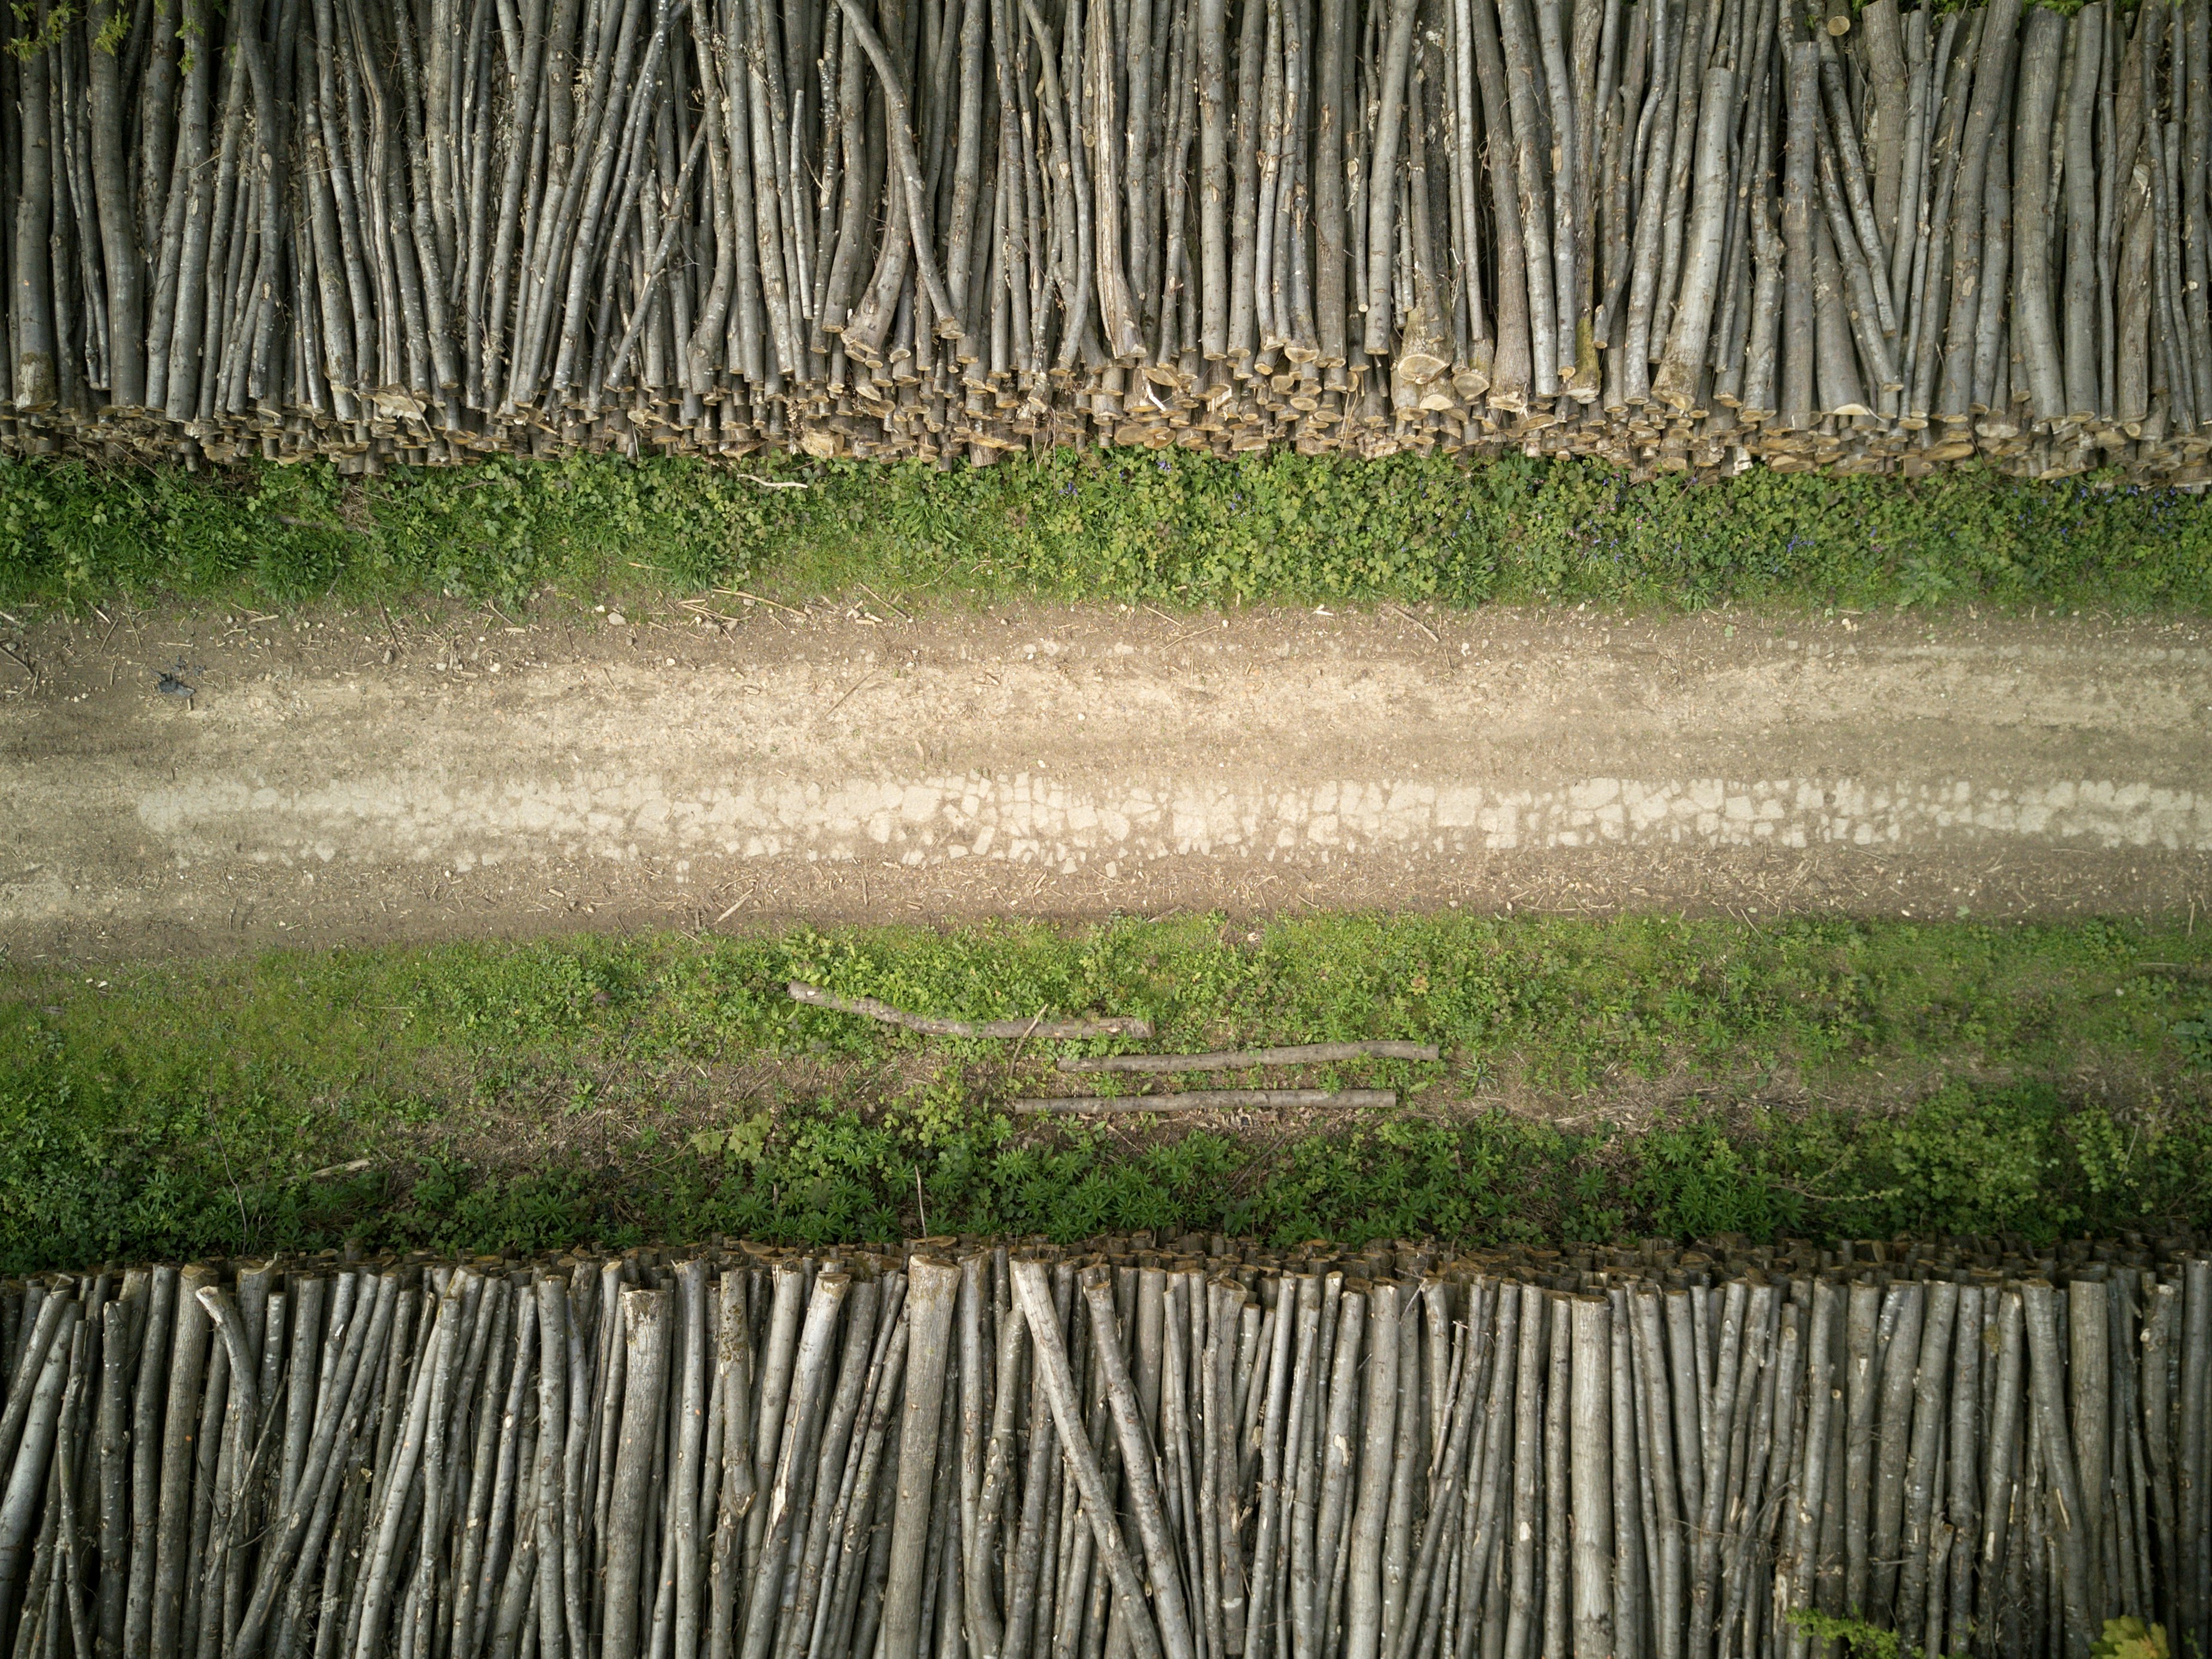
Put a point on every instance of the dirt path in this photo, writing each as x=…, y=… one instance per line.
x=363, y=777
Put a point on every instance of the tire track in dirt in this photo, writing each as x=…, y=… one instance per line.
x=365, y=777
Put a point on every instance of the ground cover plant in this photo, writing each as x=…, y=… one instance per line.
x=1083, y=524
x=1655, y=1075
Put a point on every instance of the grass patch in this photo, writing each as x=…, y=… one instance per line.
x=1822, y=1078
x=1087, y=525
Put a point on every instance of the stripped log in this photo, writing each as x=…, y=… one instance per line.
x=1210, y=1100
x=1170, y=1447
x=1667, y=236
x=1040, y=1028
x=1299, y=1053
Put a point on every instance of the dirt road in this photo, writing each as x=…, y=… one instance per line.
x=363, y=776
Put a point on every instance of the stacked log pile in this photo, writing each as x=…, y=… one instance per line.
x=1159, y=1449
x=1670, y=234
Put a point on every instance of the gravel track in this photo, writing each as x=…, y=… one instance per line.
x=358, y=777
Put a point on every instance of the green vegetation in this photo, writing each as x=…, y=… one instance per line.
x=2131, y=1638
x=1855, y=1638
x=1167, y=528
x=1653, y=1075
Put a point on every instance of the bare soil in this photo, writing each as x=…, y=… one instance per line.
x=355, y=777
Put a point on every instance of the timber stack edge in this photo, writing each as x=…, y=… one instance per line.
x=1670, y=234
x=1152, y=1448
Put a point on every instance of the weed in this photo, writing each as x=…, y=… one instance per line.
x=1175, y=530
x=2131, y=1638
x=1856, y=1638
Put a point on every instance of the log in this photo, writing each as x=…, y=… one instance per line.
x=931, y=228
x=1211, y=1100
x=1040, y=1028
x=1303, y=1054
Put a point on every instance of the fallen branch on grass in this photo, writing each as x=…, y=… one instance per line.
x=469, y=1458
x=1298, y=1053
x=1049, y=1031
x=1207, y=1100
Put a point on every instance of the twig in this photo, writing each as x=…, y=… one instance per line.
x=354, y=1168
x=1297, y=1055
x=1409, y=617
x=1203, y=1100
x=889, y=605
x=756, y=598
x=850, y=692
x=1050, y=1031
x=237, y=1191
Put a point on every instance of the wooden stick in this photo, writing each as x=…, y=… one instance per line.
x=2033, y=313
x=1992, y=84
x=1211, y=1100
x=1683, y=357
x=1139, y=1471
x=1306, y=1054
x=2068, y=1517
x=645, y=1321
x=1082, y=1462
x=2087, y=343
x=1045, y=1030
